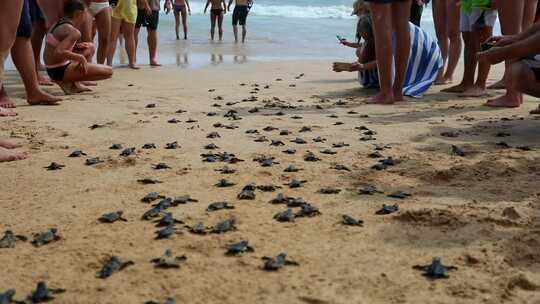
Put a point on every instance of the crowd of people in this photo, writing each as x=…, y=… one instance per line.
x=399, y=58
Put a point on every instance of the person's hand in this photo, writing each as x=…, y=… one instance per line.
x=83, y=45
x=83, y=64
x=147, y=10
x=502, y=40
x=493, y=56
x=345, y=42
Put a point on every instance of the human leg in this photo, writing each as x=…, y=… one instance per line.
x=9, y=155
x=184, y=21
x=95, y=72
x=454, y=37
x=441, y=31
x=128, y=31
x=177, y=23
x=213, y=18
x=113, y=39
x=10, y=14
x=521, y=79
x=220, y=26
x=400, y=26
x=382, y=25
x=103, y=25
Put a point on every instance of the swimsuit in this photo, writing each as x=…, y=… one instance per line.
x=216, y=11
x=57, y=71
x=96, y=7
x=126, y=10
x=149, y=21
x=25, y=23
x=179, y=8
x=240, y=14
x=35, y=12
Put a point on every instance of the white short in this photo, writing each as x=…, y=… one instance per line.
x=477, y=19
x=96, y=7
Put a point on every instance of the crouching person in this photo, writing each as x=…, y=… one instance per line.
x=67, y=60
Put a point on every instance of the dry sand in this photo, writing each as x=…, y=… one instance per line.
x=478, y=212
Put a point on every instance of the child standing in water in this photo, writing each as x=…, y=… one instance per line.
x=217, y=11
x=179, y=10
x=65, y=59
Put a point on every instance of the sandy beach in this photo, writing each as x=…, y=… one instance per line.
x=478, y=212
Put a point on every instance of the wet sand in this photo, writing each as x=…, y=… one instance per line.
x=478, y=212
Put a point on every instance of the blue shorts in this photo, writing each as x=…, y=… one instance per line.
x=25, y=24
x=35, y=12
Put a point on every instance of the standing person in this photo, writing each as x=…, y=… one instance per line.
x=148, y=16
x=477, y=21
x=124, y=17
x=53, y=10
x=515, y=17
x=217, y=11
x=100, y=11
x=417, y=8
x=240, y=13
x=446, y=16
x=39, y=29
x=391, y=17
x=179, y=10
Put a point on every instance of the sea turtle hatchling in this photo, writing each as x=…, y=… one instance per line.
x=152, y=196
x=340, y=167
x=224, y=226
x=161, y=166
x=77, y=153
x=329, y=190
x=246, y=194
x=46, y=237
x=368, y=190
x=172, y=145
x=311, y=157
x=319, y=139
x=223, y=183
x=305, y=129
x=10, y=239
x=211, y=147
x=151, y=213
x=127, y=152
x=149, y=146
x=340, y=145
x=149, y=181
x=198, y=228
x=435, y=270
x=168, y=260
x=213, y=135
x=167, y=301
x=219, y=206
x=113, y=265
x=351, y=221
x=274, y=264
x=226, y=170
x=328, y=152
x=299, y=141
x=54, y=166
x=296, y=183
x=116, y=147
x=399, y=195
x=291, y=169
x=93, y=161
x=112, y=217
x=167, y=220
x=387, y=209
x=183, y=199
x=285, y=216
x=289, y=151
x=239, y=248
x=308, y=210
x=7, y=297
x=44, y=293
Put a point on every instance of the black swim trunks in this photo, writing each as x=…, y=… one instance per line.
x=240, y=14
x=57, y=73
x=149, y=21
x=216, y=11
x=25, y=24
x=35, y=12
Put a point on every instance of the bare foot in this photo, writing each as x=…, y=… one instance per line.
x=41, y=98
x=5, y=102
x=474, y=92
x=8, y=155
x=381, y=98
x=499, y=85
x=89, y=83
x=460, y=88
x=504, y=101
x=154, y=63
x=9, y=143
x=443, y=81
x=398, y=95
x=44, y=81
x=133, y=66
x=80, y=88
x=535, y=111
x=6, y=112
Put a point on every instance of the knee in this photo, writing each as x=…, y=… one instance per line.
x=107, y=72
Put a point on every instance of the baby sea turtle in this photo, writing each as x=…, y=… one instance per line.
x=252, y=131
x=436, y=270
x=152, y=196
x=114, y=264
x=54, y=166
x=289, y=151
x=167, y=220
x=295, y=116
x=340, y=145
x=387, y=209
x=285, y=216
x=274, y=264
x=226, y=170
x=319, y=139
x=458, y=151
x=77, y=153
x=116, y=147
x=183, y=199
x=112, y=217
x=213, y=135
x=211, y=147
x=368, y=190
x=161, y=166
x=172, y=145
x=149, y=181
x=163, y=204
x=270, y=128
x=329, y=190
x=127, y=152
x=375, y=154
x=238, y=248
x=268, y=188
x=9, y=239
x=280, y=199
x=173, y=121
x=191, y=120
x=399, y=195
x=149, y=146
x=93, y=161
x=44, y=293
x=328, y=152
x=168, y=260
x=261, y=139
x=152, y=213
x=341, y=168
x=305, y=129
x=311, y=157
x=367, y=138
x=277, y=143
x=223, y=183
x=167, y=301
x=351, y=221
x=225, y=226
x=308, y=210
x=291, y=168
x=7, y=297
x=150, y=105
x=284, y=132
x=46, y=237
x=199, y=228
x=219, y=206
x=296, y=183
x=299, y=141
x=246, y=194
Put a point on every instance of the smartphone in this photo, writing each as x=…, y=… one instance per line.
x=486, y=46
x=340, y=38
